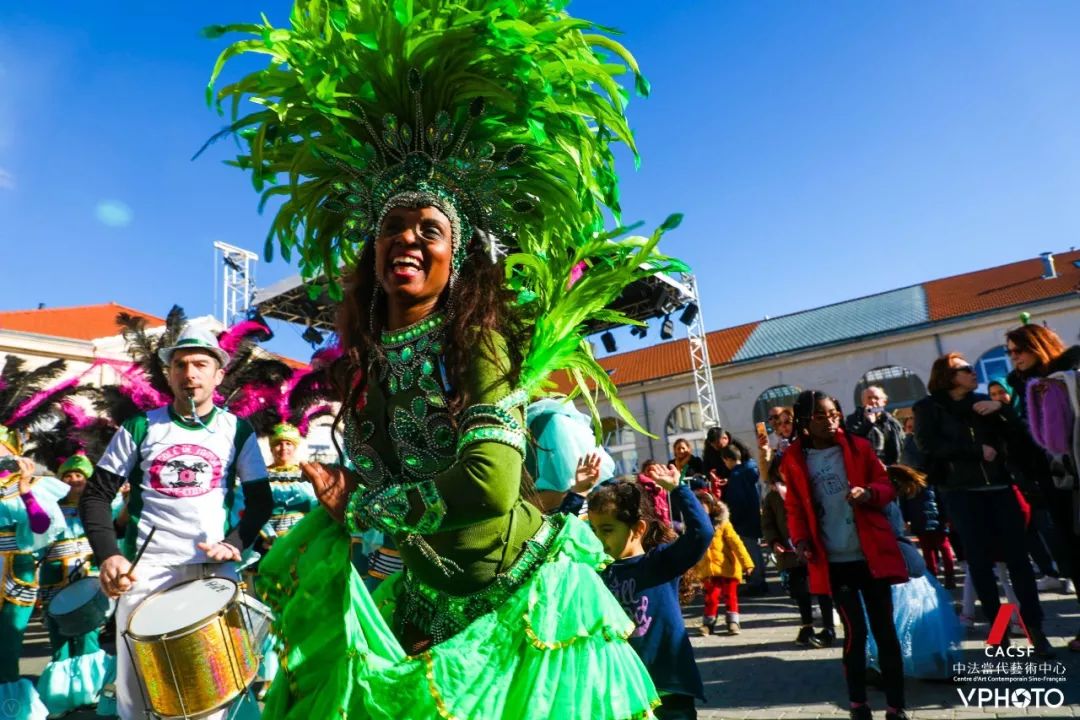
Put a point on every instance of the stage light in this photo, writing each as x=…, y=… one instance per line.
x=609, y=342
x=254, y=315
x=689, y=314
x=312, y=336
x=667, y=330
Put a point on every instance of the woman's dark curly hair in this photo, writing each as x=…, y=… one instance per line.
x=482, y=306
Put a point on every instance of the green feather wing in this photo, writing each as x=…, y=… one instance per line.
x=563, y=310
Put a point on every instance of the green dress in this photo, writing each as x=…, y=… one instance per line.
x=503, y=610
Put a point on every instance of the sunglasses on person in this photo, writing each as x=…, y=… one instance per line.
x=831, y=415
x=1013, y=351
x=963, y=369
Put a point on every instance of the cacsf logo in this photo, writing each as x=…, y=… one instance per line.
x=997, y=647
x=1006, y=613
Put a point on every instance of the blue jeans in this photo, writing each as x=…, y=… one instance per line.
x=991, y=526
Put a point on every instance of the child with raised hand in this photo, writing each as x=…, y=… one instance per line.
x=649, y=562
x=722, y=568
x=586, y=477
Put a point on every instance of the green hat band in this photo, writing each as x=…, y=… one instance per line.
x=285, y=431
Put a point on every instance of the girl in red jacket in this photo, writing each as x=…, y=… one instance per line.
x=837, y=489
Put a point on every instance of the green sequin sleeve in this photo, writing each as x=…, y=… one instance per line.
x=485, y=480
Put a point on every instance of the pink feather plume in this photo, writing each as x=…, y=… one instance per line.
x=78, y=416
x=313, y=412
x=232, y=337
x=37, y=399
x=253, y=399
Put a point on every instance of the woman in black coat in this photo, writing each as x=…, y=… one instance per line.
x=1037, y=352
x=967, y=441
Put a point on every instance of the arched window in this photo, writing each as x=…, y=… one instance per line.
x=621, y=445
x=992, y=364
x=903, y=387
x=684, y=423
x=776, y=396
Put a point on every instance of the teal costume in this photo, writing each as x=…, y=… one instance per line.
x=20, y=552
x=294, y=497
x=77, y=672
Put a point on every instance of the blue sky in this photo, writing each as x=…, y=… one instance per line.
x=820, y=151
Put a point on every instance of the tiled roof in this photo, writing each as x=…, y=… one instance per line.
x=1004, y=286
x=1000, y=287
x=673, y=358
x=843, y=321
x=85, y=322
x=294, y=364
x=668, y=358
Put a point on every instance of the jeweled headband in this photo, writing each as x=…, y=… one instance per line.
x=434, y=166
x=460, y=230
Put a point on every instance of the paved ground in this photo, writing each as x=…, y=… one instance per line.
x=763, y=674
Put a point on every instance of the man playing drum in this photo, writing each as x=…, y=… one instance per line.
x=185, y=463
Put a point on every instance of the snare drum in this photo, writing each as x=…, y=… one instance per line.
x=80, y=607
x=192, y=647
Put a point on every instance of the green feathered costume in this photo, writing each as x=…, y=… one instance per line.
x=502, y=114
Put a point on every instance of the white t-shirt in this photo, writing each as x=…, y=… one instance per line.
x=836, y=519
x=183, y=480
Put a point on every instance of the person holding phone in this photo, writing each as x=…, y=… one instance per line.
x=771, y=445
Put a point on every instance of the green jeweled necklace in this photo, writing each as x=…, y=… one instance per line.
x=412, y=354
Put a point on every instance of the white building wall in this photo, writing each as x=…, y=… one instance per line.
x=836, y=370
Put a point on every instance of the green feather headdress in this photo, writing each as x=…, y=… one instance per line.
x=508, y=107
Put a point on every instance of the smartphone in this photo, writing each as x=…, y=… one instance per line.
x=761, y=430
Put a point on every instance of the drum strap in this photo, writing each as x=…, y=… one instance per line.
x=243, y=432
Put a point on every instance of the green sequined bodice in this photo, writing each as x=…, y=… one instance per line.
x=405, y=412
x=406, y=449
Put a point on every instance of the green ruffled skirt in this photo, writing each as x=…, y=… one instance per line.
x=555, y=649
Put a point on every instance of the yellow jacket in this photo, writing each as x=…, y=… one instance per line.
x=726, y=556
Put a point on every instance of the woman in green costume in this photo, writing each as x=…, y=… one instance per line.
x=499, y=612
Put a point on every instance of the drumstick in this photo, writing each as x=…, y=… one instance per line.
x=146, y=542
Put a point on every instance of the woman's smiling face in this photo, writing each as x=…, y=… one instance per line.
x=413, y=254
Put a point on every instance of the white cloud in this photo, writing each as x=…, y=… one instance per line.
x=7, y=180
x=113, y=213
